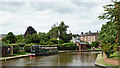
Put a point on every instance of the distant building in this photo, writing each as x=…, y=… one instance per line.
x=89, y=37
x=2, y=36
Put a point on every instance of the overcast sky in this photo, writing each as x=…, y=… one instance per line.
x=81, y=16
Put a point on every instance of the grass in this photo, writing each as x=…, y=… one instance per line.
x=115, y=55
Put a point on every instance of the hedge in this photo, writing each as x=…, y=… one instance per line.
x=65, y=46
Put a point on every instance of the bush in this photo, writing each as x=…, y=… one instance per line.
x=21, y=44
x=49, y=43
x=95, y=44
x=67, y=46
x=27, y=48
x=55, y=41
x=43, y=43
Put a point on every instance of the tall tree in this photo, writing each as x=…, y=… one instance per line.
x=112, y=28
x=30, y=30
x=60, y=31
x=10, y=38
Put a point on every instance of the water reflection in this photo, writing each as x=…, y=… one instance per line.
x=61, y=59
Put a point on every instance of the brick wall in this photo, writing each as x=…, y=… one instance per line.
x=111, y=61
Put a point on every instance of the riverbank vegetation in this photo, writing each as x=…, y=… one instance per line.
x=57, y=37
x=110, y=32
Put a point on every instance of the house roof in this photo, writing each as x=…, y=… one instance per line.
x=91, y=34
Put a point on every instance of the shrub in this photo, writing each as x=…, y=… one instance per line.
x=49, y=43
x=94, y=44
x=27, y=48
x=43, y=43
x=67, y=46
x=21, y=44
x=55, y=41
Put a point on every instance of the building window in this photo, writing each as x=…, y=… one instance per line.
x=92, y=38
x=81, y=38
x=85, y=38
x=88, y=38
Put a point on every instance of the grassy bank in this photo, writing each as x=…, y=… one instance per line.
x=100, y=60
x=115, y=55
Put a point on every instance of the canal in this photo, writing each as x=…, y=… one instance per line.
x=61, y=59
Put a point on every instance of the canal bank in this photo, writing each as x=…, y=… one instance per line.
x=100, y=62
x=26, y=55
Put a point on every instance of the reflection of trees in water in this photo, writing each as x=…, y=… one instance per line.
x=65, y=59
x=86, y=56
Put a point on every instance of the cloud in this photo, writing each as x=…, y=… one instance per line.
x=79, y=16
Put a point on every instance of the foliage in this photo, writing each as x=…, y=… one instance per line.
x=20, y=39
x=107, y=49
x=55, y=41
x=67, y=46
x=33, y=38
x=43, y=37
x=10, y=38
x=27, y=48
x=111, y=29
x=21, y=44
x=60, y=32
x=95, y=44
x=30, y=30
x=108, y=33
x=115, y=47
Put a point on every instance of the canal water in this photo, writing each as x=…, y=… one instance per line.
x=61, y=59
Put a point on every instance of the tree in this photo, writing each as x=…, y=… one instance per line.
x=10, y=38
x=43, y=37
x=30, y=30
x=32, y=38
x=20, y=39
x=112, y=14
x=111, y=30
x=95, y=44
x=60, y=31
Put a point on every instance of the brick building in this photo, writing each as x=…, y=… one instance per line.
x=89, y=37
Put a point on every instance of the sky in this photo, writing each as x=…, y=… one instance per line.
x=79, y=15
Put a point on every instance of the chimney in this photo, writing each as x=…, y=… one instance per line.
x=97, y=31
x=89, y=31
x=81, y=33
